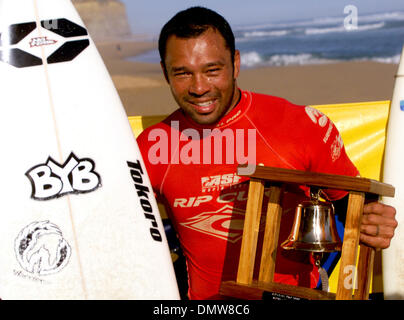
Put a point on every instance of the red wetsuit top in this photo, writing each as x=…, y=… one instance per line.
x=206, y=199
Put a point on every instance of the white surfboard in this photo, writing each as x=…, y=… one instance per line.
x=393, y=173
x=78, y=219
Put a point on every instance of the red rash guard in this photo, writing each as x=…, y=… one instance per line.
x=205, y=197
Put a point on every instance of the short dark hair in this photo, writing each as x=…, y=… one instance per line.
x=191, y=23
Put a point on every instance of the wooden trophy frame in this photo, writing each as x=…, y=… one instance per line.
x=245, y=287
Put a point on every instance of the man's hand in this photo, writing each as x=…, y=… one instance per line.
x=378, y=225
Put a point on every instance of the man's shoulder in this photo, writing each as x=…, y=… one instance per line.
x=276, y=109
x=266, y=97
x=277, y=116
x=271, y=101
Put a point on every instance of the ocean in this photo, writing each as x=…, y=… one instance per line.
x=377, y=37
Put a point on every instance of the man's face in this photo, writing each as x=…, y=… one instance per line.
x=202, y=76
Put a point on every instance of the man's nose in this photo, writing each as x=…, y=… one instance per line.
x=199, y=86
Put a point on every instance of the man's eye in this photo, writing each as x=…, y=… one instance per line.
x=213, y=70
x=181, y=74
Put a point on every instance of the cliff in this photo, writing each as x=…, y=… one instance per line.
x=105, y=19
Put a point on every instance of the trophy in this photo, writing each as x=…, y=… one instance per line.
x=314, y=230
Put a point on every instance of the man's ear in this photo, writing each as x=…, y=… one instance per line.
x=163, y=67
x=237, y=63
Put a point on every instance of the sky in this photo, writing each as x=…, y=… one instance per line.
x=148, y=16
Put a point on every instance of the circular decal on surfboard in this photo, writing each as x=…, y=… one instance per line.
x=41, y=249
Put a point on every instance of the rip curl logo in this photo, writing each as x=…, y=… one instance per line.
x=41, y=249
x=41, y=41
x=225, y=223
x=51, y=180
x=17, y=51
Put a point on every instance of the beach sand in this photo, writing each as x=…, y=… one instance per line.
x=144, y=91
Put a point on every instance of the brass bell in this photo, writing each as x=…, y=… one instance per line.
x=314, y=227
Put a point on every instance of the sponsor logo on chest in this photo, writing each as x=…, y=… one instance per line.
x=219, y=182
x=225, y=223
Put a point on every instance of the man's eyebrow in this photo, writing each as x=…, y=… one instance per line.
x=208, y=65
x=177, y=69
x=215, y=63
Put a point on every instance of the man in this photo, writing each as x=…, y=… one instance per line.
x=193, y=155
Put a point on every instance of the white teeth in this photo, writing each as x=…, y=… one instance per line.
x=205, y=104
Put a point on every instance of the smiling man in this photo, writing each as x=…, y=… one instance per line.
x=202, y=75
x=205, y=198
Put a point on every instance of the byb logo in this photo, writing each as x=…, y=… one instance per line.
x=219, y=182
x=52, y=180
